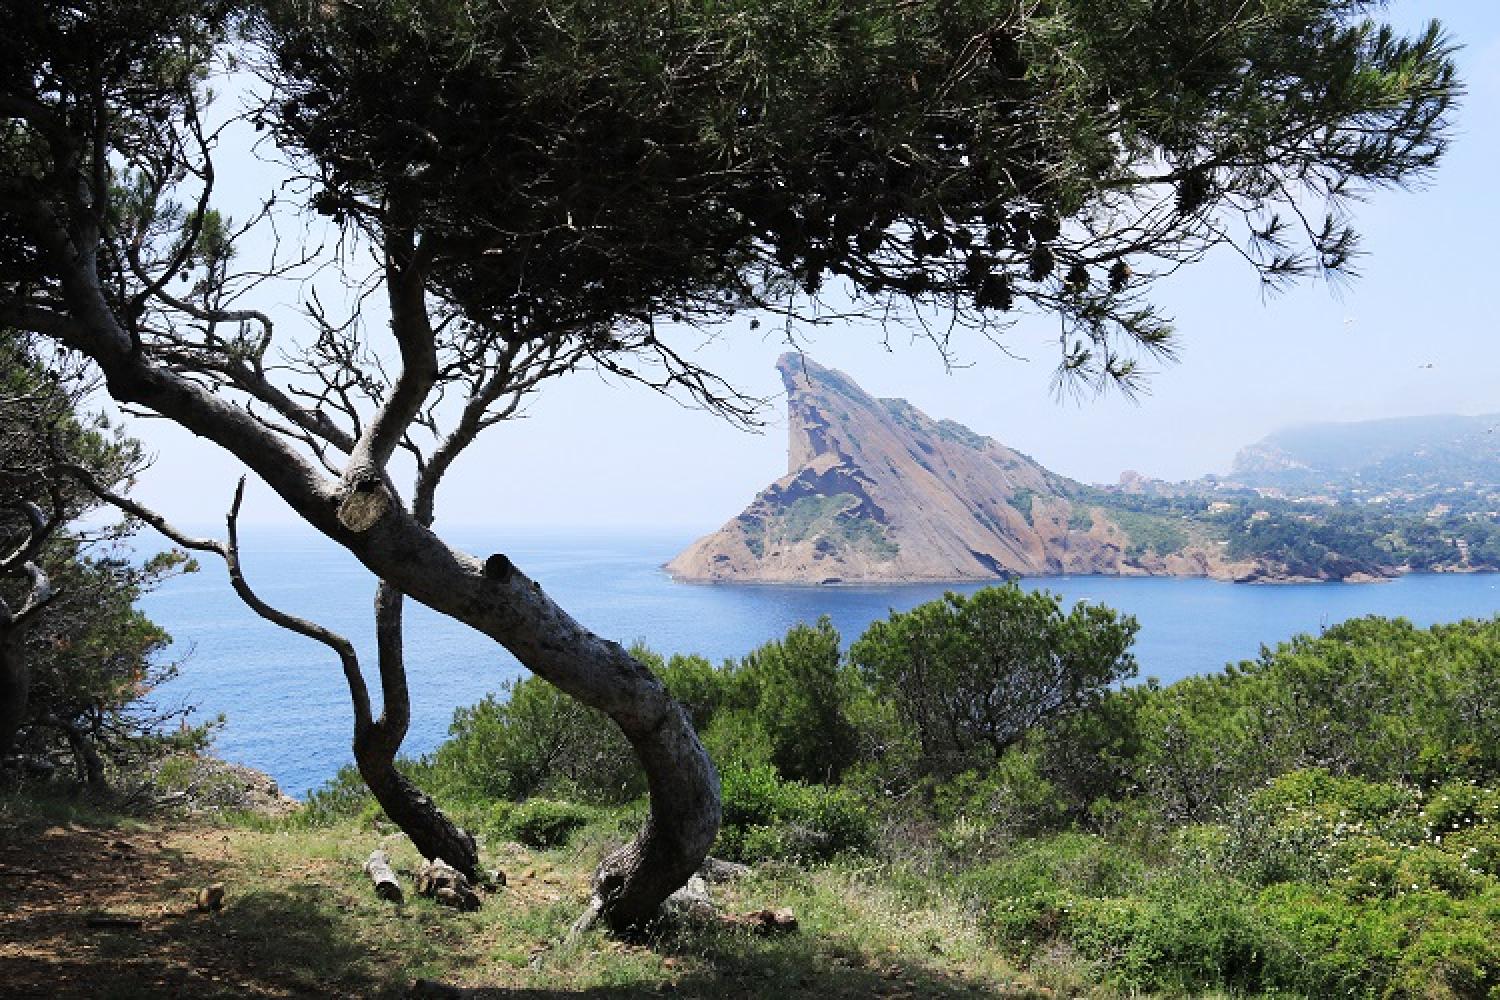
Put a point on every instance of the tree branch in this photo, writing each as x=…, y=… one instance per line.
x=229, y=551
x=406, y=274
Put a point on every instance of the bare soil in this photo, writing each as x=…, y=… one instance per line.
x=56, y=881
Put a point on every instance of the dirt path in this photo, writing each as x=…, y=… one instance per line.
x=53, y=881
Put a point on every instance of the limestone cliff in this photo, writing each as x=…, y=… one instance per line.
x=877, y=491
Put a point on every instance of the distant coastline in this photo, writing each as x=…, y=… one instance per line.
x=879, y=492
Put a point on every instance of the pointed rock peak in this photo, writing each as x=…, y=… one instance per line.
x=802, y=375
x=876, y=490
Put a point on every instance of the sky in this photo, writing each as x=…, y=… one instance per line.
x=1414, y=334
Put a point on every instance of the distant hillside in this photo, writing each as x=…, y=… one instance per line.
x=1421, y=454
x=877, y=491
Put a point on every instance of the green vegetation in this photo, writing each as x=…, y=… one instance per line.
x=1315, y=887
x=797, y=696
x=1317, y=822
x=970, y=676
x=536, y=765
x=539, y=823
x=1080, y=518
x=534, y=740
x=1150, y=533
x=834, y=521
x=78, y=660
x=548, y=183
x=968, y=787
x=768, y=816
x=1305, y=539
x=1321, y=821
x=952, y=430
x=807, y=516
x=300, y=920
x=904, y=414
x=1022, y=501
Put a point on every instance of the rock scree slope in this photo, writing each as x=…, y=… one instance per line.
x=877, y=491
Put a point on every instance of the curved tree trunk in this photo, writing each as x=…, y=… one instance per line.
x=376, y=742
x=360, y=514
x=434, y=835
x=631, y=883
x=87, y=763
x=375, y=745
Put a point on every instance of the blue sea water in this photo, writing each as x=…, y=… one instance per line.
x=287, y=708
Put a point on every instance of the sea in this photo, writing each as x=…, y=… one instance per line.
x=286, y=708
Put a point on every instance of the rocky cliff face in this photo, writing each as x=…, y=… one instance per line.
x=877, y=491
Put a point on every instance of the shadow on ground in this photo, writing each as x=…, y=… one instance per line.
x=109, y=912
x=299, y=940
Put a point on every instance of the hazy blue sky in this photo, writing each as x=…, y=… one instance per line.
x=595, y=452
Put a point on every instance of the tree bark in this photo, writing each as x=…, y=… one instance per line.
x=15, y=687
x=86, y=760
x=396, y=548
x=433, y=834
x=387, y=886
x=376, y=743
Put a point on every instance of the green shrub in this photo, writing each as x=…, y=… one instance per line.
x=1458, y=805
x=543, y=823
x=973, y=675
x=738, y=737
x=800, y=694
x=536, y=740
x=1091, y=756
x=1372, y=698
x=1479, y=847
x=343, y=796
x=1417, y=944
x=1292, y=829
x=698, y=685
x=1320, y=885
x=1187, y=930
x=1347, y=798
x=769, y=818
x=1078, y=863
x=982, y=809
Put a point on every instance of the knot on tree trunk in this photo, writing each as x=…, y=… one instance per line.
x=363, y=503
x=498, y=567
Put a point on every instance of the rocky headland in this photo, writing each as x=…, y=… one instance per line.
x=878, y=491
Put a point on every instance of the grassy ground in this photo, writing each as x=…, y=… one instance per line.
x=300, y=920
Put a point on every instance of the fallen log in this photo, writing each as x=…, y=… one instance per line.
x=447, y=885
x=117, y=923
x=378, y=867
